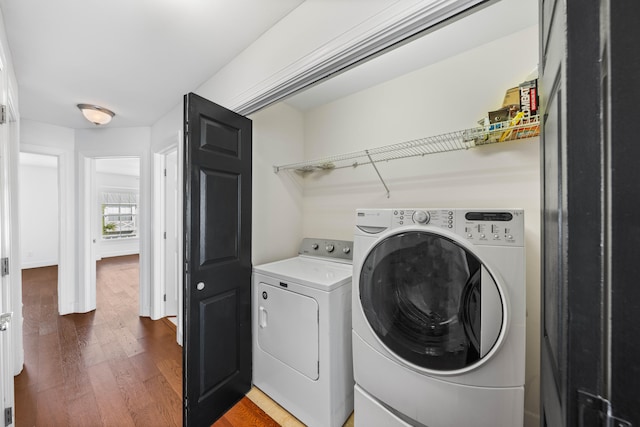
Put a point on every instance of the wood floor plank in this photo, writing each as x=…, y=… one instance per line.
x=169, y=402
x=128, y=342
x=50, y=411
x=133, y=391
x=31, y=357
x=86, y=335
x=172, y=371
x=111, y=405
x=247, y=413
x=93, y=354
x=76, y=381
x=144, y=366
x=26, y=398
x=150, y=415
x=49, y=365
x=83, y=411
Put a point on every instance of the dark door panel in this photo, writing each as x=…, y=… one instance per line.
x=621, y=83
x=217, y=242
x=582, y=278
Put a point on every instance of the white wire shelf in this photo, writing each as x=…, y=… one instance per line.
x=453, y=141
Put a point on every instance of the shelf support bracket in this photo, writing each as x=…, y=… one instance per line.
x=378, y=172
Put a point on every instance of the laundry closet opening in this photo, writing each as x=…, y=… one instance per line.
x=443, y=82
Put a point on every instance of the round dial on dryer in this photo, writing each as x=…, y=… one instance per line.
x=421, y=217
x=329, y=248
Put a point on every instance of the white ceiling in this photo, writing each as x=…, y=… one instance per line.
x=138, y=58
x=135, y=57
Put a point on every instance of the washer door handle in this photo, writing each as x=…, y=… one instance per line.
x=262, y=317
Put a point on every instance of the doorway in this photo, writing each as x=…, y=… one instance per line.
x=114, y=216
x=166, y=288
x=39, y=210
x=44, y=239
x=89, y=228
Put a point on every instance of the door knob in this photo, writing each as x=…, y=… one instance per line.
x=200, y=286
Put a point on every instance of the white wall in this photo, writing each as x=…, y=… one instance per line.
x=277, y=199
x=164, y=132
x=450, y=95
x=38, y=195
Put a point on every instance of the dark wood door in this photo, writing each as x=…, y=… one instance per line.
x=217, y=247
x=589, y=354
x=621, y=69
x=572, y=288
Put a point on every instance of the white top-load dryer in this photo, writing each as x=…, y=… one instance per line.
x=439, y=317
x=302, y=354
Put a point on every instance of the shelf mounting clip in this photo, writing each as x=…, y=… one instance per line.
x=377, y=171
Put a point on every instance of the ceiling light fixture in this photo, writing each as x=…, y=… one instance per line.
x=95, y=114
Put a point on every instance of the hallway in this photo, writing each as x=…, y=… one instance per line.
x=108, y=367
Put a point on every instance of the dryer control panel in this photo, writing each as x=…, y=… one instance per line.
x=334, y=249
x=481, y=227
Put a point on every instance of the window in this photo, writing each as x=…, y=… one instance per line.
x=119, y=215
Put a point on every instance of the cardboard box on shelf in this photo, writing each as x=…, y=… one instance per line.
x=503, y=115
x=529, y=98
x=511, y=97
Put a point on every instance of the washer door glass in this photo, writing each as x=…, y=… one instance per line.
x=430, y=301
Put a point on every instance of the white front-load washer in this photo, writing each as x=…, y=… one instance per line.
x=302, y=332
x=439, y=317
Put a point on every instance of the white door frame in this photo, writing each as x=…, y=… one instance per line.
x=87, y=199
x=159, y=221
x=11, y=347
x=66, y=222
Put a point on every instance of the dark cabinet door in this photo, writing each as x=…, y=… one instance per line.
x=217, y=247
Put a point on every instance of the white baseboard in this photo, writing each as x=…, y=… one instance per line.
x=38, y=263
x=109, y=254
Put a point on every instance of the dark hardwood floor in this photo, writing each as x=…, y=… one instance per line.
x=108, y=367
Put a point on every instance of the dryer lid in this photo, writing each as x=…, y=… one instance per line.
x=308, y=271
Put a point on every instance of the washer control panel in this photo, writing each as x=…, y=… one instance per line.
x=481, y=227
x=440, y=218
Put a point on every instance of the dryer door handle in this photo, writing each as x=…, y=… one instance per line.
x=262, y=317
